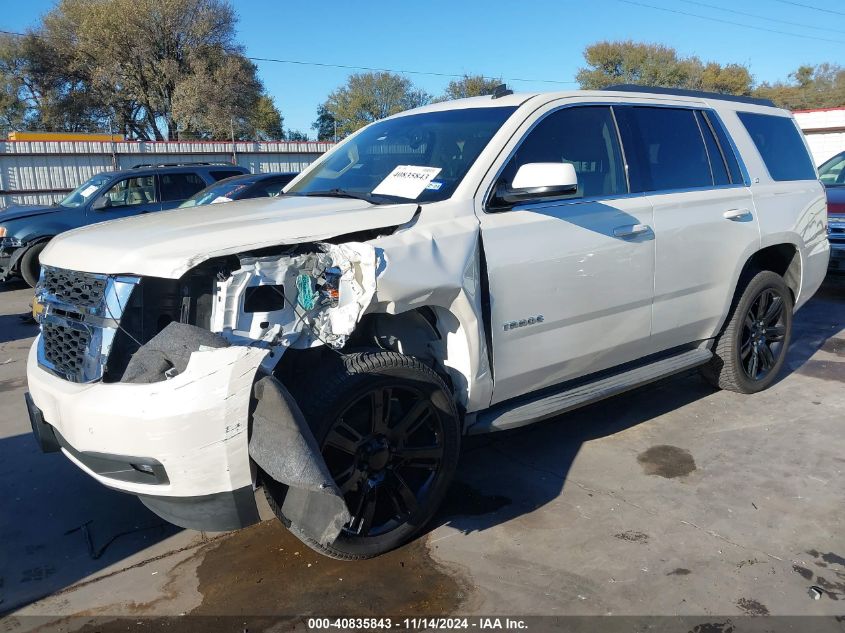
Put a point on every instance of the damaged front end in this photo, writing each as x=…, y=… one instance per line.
x=208, y=343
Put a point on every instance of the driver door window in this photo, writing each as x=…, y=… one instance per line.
x=584, y=137
x=131, y=192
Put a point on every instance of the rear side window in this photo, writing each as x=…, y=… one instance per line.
x=583, y=136
x=224, y=173
x=780, y=144
x=180, y=186
x=725, y=144
x=714, y=152
x=665, y=148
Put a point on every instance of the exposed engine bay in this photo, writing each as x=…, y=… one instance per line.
x=307, y=296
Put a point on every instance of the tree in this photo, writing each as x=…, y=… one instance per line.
x=629, y=62
x=325, y=124
x=155, y=68
x=470, y=86
x=266, y=120
x=821, y=86
x=368, y=97
x=295, y=135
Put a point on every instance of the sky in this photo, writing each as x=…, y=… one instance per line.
x=517, y=40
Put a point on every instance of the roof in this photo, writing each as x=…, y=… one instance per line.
x=623, y=90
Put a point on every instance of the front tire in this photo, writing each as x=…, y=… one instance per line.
x=751, y=350
x=29, y=266
x=390, y=435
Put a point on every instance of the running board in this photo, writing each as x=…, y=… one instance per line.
x=510, y=416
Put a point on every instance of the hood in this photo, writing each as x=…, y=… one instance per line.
x=836, y=200
x=21, y=211
x=169, y=243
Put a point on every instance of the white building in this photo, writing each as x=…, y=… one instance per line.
x=825, y=131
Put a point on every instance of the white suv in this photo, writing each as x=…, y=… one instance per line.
x=461, y=268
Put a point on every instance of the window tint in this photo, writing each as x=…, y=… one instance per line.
x=779, y=143
x=130, y=192
x=180, y=186
x=224, y=173
x=664, y=147
x=832, y=172
x=714, y=153
x=727, y=149
x=584, y=136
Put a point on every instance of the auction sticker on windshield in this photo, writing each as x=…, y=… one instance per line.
x=407, y=181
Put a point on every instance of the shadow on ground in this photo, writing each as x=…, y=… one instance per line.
x=58, y=525
x=495, y=485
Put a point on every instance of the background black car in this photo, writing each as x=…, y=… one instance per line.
x=26, y=230
x=241, y=188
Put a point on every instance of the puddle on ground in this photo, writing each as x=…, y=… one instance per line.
x=833, y=589
x=680, y=571
x=831, y=370
x=265, y=570
x=666, y=461
x=752, y=607
x=632, y=536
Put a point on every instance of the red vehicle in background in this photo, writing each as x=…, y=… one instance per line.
x=832, y=175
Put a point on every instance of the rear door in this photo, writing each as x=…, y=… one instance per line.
x=704, y=217
x=571, y=279
x=176, y=187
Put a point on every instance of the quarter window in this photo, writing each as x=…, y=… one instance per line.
x=780, y=145
x=583, y=136
x=665, y=148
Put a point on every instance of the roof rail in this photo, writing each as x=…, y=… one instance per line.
x=149, y=165
x=689, y=93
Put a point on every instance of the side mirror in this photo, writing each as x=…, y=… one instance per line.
x=103, y=202
x=538, y=181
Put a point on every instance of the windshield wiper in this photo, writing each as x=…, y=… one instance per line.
x=343, y=193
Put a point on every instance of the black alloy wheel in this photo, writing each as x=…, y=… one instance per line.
x=763, y=334
x=389, y=432
x=385, y=451
x=751, y=349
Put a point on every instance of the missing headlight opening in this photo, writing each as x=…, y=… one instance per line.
x=312, y=296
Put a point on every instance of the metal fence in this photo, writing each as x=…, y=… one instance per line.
x=42, y=172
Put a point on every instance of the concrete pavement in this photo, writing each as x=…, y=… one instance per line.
x=674, y=499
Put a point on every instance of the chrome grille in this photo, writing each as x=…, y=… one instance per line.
x=77, y=289
x=80, y=318
x=65, y=347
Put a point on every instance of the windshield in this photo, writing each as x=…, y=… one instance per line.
x=832, y=172
x=220, y=192
x=419, y=157
x=84, y=192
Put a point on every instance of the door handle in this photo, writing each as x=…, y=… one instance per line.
x=737, y=214
x=631, y=230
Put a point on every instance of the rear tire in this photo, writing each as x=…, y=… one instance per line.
x=751, y=350
x=29, y=265
x=390, y=434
